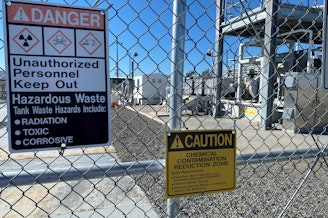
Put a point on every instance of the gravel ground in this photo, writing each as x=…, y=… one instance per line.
x=263, y=190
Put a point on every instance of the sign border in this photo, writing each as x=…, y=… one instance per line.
x=7, y=39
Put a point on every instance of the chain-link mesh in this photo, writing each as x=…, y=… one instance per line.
x=263, y=56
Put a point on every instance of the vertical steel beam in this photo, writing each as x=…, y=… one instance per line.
x=176, y=80
x=269, y=63
x=218, y=47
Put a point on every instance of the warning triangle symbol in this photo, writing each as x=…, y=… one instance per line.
x=21, y=15
x=177, y=143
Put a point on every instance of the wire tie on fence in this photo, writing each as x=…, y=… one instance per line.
x=62, y=149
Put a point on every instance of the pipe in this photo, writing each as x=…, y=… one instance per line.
x=73, y=171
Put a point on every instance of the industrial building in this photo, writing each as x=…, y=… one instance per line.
x=143, y=89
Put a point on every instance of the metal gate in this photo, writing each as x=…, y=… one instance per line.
x=250, y=66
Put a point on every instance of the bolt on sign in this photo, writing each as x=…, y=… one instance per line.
x=57, y=85
x=200, y=161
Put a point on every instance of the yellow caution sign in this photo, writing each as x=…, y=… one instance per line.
x=198, y=162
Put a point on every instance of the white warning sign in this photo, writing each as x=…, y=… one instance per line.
x=57, y=86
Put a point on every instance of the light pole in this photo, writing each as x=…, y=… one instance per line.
x=117, y=43
x=135, y=54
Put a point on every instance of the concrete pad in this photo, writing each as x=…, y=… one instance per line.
x=118, y=196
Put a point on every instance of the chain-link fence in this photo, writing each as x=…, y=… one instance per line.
x=251, y=66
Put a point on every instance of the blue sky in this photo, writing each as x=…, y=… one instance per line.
x=144, y=27
x=149, y=34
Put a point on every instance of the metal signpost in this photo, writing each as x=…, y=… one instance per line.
x=57, y=85
x=200, y=161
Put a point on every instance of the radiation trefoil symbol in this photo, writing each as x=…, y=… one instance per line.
x=26, y=40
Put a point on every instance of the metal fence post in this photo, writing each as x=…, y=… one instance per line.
x=176, y=80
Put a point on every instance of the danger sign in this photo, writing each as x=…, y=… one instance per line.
x=200, y=162
x=55, y=16
x=57, y=85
